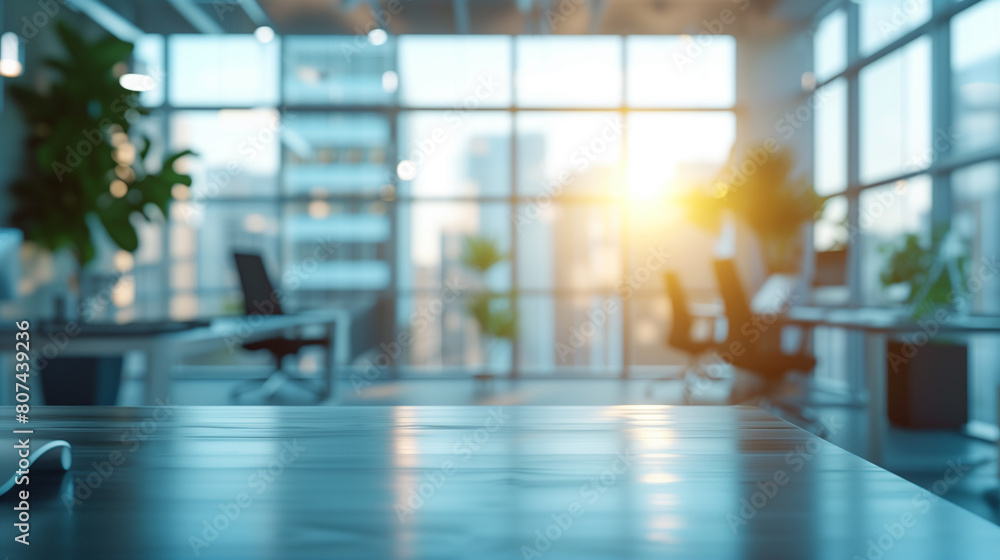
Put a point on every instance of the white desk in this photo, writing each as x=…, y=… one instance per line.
x=163, y=350
x=877, y=325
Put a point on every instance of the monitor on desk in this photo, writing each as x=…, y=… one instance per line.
x=831, y=268
x=10, y=256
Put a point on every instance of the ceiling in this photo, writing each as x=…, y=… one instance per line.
x=618, y=17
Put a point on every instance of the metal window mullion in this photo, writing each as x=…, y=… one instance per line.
x=393, y=211
x=941, y=120
x=855, y=365
x=853, y=158
x=282, y=155
x=623, y=215
x=165, y=277
x=512, y=208
x=942, y=13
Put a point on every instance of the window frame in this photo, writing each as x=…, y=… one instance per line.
x=394, y=111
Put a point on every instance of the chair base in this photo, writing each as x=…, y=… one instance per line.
x=277, y=389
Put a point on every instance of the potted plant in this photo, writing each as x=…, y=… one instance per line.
x=82, y=171
x=927, y=374
x=762, y=192
x=494, y=312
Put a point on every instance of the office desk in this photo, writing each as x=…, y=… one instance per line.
x=479, y=482
x=877, y=325
x=163, y=348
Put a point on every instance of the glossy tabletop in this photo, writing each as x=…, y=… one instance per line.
x=475, y=482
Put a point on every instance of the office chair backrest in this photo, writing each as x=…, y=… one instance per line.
x=258, y=294
x=680, y=328
x=738, y=311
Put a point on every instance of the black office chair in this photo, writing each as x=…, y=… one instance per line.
x=681, y=338
x=755, y=346
x=259, y=299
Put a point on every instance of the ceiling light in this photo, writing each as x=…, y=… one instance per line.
x=309, y=74
x=255, y=223
x=10, y=68
x=808, y=81
x=264, y=34
x=390, y=81
x=319, y=209
x=406, y=170
x=11, y=64
x=137, y=82
x=377, y=37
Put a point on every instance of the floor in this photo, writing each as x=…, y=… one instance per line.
x=920, y=456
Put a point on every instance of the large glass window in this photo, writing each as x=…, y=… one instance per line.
x=976, y=221
x=896, y=112
x=888, y=214
x=238, y=151
x=568, y=152
x=452, y=153
x=831, y=231
x=396, y=154
x=336, y=154
x=324, y=71
x=461, y=72
x=830, y=45
x=681, y=71
x=883, y=21
x=975, y=67
x=223, y=71
x=830, y=166
x=915, y=148
x=569, y=71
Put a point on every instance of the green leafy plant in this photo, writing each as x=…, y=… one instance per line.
x=493, y=314
x=493, y=311
x=762, y=192
x=481, y=254
x=80, y=162
x=925, y=273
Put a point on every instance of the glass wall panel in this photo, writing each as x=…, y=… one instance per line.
x=375, y=163
x=570, y=334
x=975, y=73
x=568, y=71
x=455, y=71
x=223, y=71
x=432, y=238
x=883, y=21
x=830, y=232
x=896, y=113
x=337, y=245
x=336, y=154
x=976, y=220
x=669, y=152
x=339, y=71
x=888, y=214
x=830, y=45
x=568, y=153
x=451, y=153
x=238, y=152
x=687, y=71
x=830, y=140
x=572, y=248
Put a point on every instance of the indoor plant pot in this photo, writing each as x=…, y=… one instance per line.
x=927, y=383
